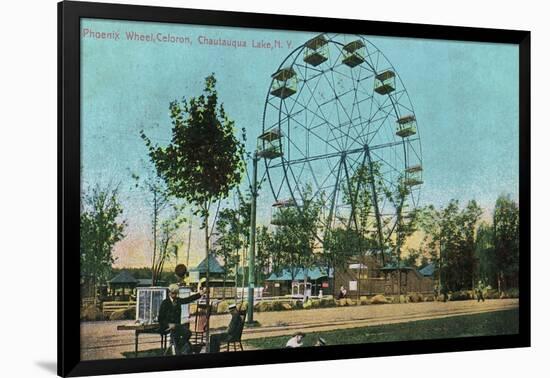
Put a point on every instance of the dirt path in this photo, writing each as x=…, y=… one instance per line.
x=101, y=340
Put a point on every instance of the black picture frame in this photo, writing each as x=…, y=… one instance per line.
x=69, y=15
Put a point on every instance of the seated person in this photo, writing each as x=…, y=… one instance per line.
x=232, y=333
x=170, y=319
x=296, y=340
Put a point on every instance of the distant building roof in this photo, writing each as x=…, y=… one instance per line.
x=214, y=266
x=144, y=282
x=124, y=277
x=395, y=266
x=286, y=274
x=428, y=270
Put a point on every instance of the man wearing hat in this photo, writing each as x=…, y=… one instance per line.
x=170, y=318
x=233, y=330
x=296, y=340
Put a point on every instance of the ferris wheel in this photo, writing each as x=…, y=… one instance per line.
x=337, y=108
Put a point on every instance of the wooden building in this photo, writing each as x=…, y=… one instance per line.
x=364, y=276
x=280, y=283
x=411, y=280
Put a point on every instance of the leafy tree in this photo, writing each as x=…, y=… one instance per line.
x=451, y=239
x=296, y=238
x=230, y=228
x=506, y=241
x=204, y=159
x=485, y=254
x=100, y=229
x=265, y=244
x=233, y=227
x=358, y=195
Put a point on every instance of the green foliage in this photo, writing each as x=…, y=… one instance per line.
x=100, y=229
x=451, y=240
x=233, y=227
x=204, y=159
x=293, y=242
x=506, y=241
x=485, y=255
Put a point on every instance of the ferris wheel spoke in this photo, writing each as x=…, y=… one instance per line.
x=356, y=103
x=383, y=121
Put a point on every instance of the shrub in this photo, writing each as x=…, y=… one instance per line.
x=363, y=300
x=416, y=297
x=118, y=315
x=459, y=296
x=378, y=299
x=513, y=293
x=222, y=307
x=429, y=298
x=91, y=313
x=307, y=304
x=287, y=306
x=491, y=294
x=243, y=306
x=262, y=306
x=350, y=302
x=276, y=306
x=315, y=303
x=342, y=302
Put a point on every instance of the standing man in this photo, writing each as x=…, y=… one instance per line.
x=479, y=291
x=233, y=332
x=170, y=319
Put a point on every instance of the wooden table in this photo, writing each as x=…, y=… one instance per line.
x=143, y=328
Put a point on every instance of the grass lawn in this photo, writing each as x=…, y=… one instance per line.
x=492, y=323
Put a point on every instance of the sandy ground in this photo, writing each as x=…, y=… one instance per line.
x=101, y=340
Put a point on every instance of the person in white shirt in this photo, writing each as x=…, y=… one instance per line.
x=296, y=340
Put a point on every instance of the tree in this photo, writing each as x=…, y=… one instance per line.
x=165, y=221
x=230, y=242
x=204, y=159
x=485, y=254
x=100, y=229
x=361, y=192
x=296, y=238
x=506, y=241
x=451, y=239
x=265, y=243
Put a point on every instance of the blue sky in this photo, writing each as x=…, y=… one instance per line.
x=464, y=96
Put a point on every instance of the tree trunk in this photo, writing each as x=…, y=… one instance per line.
x=155, y=218
x=207, y=241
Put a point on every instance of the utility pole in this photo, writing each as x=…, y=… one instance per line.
x=252, y=247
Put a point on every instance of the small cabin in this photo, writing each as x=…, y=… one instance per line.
x=384, y=83
x=269, y=143
x=413, y=175
x=285, y=83
x=354, y=53
x=316, y=51
x=402, y=279
x=406, y=126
